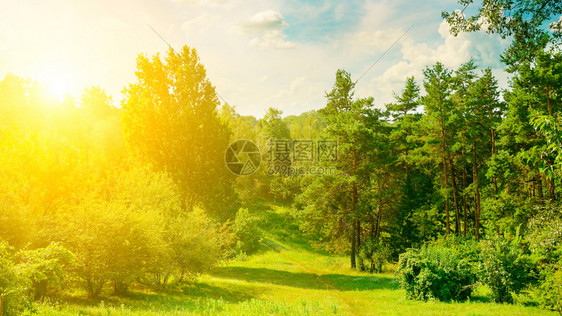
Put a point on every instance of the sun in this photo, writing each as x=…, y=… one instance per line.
x=57, y=84
x=54, y=77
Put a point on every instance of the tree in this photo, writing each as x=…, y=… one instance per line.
x=402, y=114
x=13, y=285
x=96, y=102
x=349, y=122
x=438, y=108
x=415, y=185
x=273, y=127
x=276, y=141
x=524, y=21
x=170, y=120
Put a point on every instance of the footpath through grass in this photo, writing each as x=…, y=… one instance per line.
x=286, y=277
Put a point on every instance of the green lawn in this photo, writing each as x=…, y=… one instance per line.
x=287, y=277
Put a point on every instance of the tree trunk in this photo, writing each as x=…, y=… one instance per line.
x=358, y=250
x=464, y=197
x=377, y=223
x=352, y=257
x=379, y=220
x=354, y=202
x=539, y=187
x=354, y=233
x=551, y=188
x=476, y=192
x=372, y=223
x=445, y=177
x=455, y=199
x=464, y=203
x=358, y=231
x=548, y=100
x=120, y=288
x=493, y=138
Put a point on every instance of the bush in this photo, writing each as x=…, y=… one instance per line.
x=544, y=233
x=506, y=267
x=436, y=271
x=13, y=286
x=373, y=254
x=197, y=244
x=247, y=231
x=550, y=289
x=46, y=268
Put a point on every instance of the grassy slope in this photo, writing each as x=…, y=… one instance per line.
x=286, y=277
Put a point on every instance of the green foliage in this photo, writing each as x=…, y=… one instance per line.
x=506, y=267
x=13, y=284
x=97, y=103
x=544, y=232
x=46, y=268
x=373, y=254
x=197, y=244
x=171, y=120
x=284, y=188
x=545, y=241
x=272, y=125
x=550, y=288
x=526, y=22
x=247, y=231
x=436, y=271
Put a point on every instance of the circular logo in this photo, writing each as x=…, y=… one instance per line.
x=242, y=157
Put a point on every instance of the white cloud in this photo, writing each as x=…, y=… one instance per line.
x=267, y=28
x=416, y=56
x=290, y=91
x=198, y=24
x=341, y=10
x=264, y=21
x=556, y=26
x=374, y=41
x=210, y=3
x=275, y=39
x=241, y=50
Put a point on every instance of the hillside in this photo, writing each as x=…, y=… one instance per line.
x=286, y=277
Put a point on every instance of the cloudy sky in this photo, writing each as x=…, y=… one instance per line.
x=258, y=54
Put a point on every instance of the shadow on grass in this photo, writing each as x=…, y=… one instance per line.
x=135, y=301
x=189, y=297
x=307, y=280
x=233, y=293
x=362, y=283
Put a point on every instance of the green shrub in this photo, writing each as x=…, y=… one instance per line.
x=544, y=233
x=13, y=285
x=373, y=254
x=197, y=244
x=436, y=271
x=545, y=241
x=506, y=267
x=247, y=231
x=550, y=289
x=46, y=268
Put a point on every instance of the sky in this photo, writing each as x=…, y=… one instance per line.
x=258, y=54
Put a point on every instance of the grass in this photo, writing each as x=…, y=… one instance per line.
x=286, y=277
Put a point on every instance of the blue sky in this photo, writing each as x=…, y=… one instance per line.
x=258, y=54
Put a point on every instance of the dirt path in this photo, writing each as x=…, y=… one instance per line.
x=323, y=281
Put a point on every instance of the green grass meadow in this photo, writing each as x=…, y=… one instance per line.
x=286, y=277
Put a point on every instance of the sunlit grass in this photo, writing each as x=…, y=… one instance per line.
x=284, y=278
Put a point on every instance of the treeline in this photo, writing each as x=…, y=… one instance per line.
x=101, y=197
x=461, y=159
x=458, y=159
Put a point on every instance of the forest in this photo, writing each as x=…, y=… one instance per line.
x=450, y=191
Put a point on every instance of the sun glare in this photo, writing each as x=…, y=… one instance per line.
x=58, y=85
